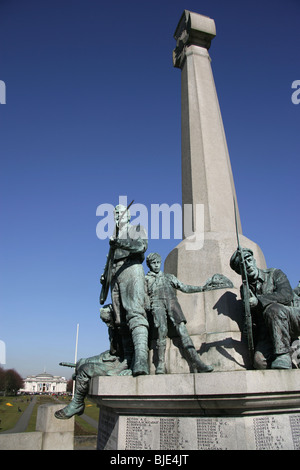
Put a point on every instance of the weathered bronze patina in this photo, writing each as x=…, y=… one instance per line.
x=115, y=361
x=274, y=311
x=162, y=303
x=127, y=286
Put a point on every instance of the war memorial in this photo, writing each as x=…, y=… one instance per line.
x=204, y=354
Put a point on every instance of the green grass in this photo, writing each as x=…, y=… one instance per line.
x=41, y=400
x=91, y=409
x=81, y=427
x=10, y=415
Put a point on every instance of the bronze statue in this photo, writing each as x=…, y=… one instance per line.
x=275, y=319
x=116, y=361
x=296, y=301
x=162, y=303
x=127, y=286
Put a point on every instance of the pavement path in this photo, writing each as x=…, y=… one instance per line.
x=90, y=421
x=23, y=422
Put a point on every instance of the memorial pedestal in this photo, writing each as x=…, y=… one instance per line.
x=235, y=410
x=228, y=408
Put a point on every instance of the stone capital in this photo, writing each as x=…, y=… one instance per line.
x=192, y=29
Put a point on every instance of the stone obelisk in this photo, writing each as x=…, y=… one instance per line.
x=230, y=408
x=214, y=319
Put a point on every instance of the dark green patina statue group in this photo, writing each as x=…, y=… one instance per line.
x=275, y=312
x=142, y=305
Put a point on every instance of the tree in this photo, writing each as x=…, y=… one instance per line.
x=2, y=379
x=12, y=382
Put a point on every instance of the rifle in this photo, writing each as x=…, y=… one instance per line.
x=67, y=364
x=109, y=262
x=246, y=292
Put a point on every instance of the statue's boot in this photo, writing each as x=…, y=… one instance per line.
x=161, y=349
x=282, y=361
x=128, y=349
x=140, y=342
x=193, y=357
x=76, y=406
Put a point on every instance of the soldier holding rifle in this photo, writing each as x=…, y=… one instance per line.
x=125, y=275
x=276, y=321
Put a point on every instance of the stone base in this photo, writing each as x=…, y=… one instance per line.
x=223, y=351
x=58, y=434
x=242, y=410
x=51, y=433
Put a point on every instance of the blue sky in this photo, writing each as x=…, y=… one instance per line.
x=93, y=112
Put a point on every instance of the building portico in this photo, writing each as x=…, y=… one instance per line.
x=44, y=383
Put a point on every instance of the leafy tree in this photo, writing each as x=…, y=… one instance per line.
x=12, y=382
x=2, y=379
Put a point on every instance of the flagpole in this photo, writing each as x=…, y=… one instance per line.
x=75, y=357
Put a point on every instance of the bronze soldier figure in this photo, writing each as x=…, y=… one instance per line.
x=276, y=321
x=127, y=286
x=162, y=302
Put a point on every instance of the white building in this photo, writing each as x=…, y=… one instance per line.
x=44, y=383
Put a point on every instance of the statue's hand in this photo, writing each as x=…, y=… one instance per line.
x=113, y=242
x=253, y=301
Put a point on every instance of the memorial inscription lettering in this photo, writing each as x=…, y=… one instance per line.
x=268, y=432
x=213, y=433
x=140, y=432
x=295, y=428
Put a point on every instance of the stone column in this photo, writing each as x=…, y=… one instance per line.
x=208, y=192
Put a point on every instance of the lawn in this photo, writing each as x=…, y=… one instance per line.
x=10, y=413
x=81, y=426
x=41, y=400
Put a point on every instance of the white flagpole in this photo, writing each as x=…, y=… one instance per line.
x=75, y=357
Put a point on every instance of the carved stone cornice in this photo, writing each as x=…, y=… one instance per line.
x=235, y=393
x=192, y=29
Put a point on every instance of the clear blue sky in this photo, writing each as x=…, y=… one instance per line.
x=93, y=112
